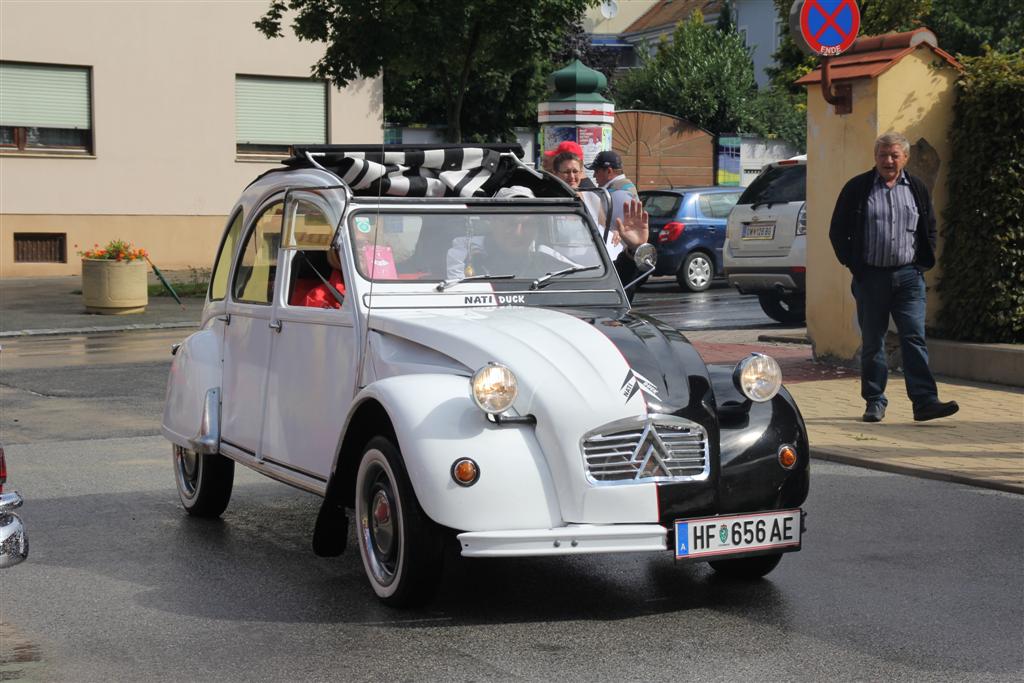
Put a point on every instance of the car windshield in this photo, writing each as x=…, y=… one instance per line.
x=452, y=247
x=778, y=185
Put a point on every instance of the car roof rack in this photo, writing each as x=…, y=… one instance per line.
x=425, y=170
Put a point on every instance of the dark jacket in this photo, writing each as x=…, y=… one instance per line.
x=849, y=222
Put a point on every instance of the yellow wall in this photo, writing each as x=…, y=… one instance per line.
x=911, y=98
x=163, y=115
x=173, y=242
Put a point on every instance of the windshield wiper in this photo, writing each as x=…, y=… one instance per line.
x=545, y=279
x=441, y=286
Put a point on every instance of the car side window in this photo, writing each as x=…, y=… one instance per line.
x=718, y=205
x=257, y=262
x=222, y=266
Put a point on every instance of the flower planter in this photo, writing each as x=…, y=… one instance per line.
x=111, y=287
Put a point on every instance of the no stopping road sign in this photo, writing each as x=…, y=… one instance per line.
x=828, y=27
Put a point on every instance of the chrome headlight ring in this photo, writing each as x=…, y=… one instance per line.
x=494, y=388
x=758, y=377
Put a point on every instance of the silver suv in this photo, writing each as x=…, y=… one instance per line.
x=766, y=240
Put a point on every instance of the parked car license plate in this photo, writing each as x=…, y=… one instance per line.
x=758, y=231
x=709, y=536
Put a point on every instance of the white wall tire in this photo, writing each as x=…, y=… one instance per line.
x=204, y=481
x=400, y=547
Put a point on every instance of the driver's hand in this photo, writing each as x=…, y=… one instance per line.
x=633, y=227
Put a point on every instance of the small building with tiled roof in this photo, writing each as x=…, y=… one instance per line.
x=900, y=82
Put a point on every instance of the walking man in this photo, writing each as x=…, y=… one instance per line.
x=608, y=173
x=883, y=230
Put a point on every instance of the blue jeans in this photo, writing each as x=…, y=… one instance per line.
x=900, y=292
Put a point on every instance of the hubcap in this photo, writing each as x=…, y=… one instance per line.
x=699, y=272
x=381, y=529
x=188, y=469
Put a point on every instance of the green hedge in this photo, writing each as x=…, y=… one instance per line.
x=982, y=286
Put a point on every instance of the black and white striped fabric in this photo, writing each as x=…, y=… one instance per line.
x=457, y=172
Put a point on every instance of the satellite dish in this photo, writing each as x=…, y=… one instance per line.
x=609, y=8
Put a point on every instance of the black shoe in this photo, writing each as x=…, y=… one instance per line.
x=935, y=410
x=874, y=413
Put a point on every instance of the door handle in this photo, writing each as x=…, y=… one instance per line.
x=275, y=325
x=226, y=318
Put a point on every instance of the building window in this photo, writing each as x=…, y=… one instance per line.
x=40, y=247
x=45, y=108
x=272, y=114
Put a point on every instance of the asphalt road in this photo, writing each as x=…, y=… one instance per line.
x=899, y=579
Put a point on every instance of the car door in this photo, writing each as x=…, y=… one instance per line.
x=715, y=208
x=247, y=332
x=314, y=351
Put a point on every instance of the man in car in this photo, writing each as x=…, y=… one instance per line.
x=513, y=250
x=883, y=230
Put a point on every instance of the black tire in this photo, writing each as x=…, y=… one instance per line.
x=696, y=272
x=400, y=546
x=204, y=481
x=789, y=308
x=747, y=567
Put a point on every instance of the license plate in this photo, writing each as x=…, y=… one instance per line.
x=710, y=536
x=758, y=231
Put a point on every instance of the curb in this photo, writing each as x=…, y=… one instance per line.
x=784, y=339
x=94, y=330
x=895, y=468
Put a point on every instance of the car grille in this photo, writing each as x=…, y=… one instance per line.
x=658, y=448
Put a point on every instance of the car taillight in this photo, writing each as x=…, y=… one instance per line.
x=671, y=232
x=801, y=221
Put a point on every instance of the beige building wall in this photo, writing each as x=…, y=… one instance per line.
x=164, y=173
x=912, y=97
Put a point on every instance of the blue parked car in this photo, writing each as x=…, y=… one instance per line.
x=688, y=228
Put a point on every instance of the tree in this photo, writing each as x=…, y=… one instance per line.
x=964, y=28
x=776, y=113
x=450, y=48
x=726, y=22
x=701, y=74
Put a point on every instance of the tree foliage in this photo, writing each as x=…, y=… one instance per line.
x=982, y=284
x=776, y=113
x=701, y=74
x=965, y=28
x=488, y=52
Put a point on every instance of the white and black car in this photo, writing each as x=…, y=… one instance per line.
x=516, y=403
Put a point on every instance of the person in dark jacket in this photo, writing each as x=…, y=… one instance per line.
x=883, y=231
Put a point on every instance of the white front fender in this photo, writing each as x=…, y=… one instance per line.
x=192, y=407
x=437, y=423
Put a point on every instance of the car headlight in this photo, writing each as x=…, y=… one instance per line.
x=758, y=376
x=494, y=388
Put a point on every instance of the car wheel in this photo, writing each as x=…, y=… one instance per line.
x=696, y=272
x=789, y=308
x=400, y=546
x=747, y=567
x=204, y=481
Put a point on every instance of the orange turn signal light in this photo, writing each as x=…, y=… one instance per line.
x=465, y=472
x=787, y=457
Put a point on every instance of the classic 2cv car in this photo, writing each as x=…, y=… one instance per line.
x=437, y=339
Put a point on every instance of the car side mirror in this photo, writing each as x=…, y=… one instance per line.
x=645, y=257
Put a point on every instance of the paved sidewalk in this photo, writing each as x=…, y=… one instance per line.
x=982, y=445
x=30, y=306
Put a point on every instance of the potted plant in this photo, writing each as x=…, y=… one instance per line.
x=114, y=278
